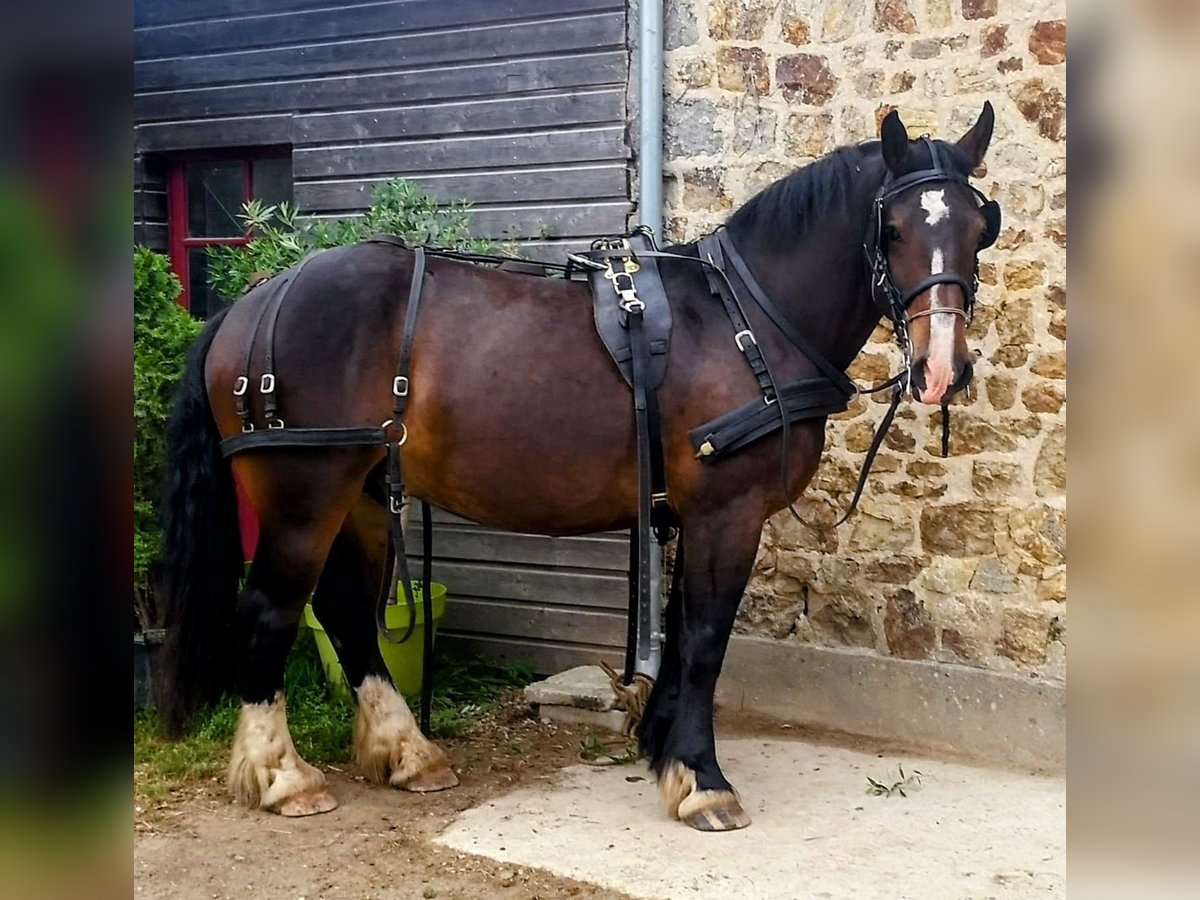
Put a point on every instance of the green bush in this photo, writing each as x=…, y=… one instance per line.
x=162, y=331
x=282, y=238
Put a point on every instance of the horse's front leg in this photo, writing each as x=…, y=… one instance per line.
x=718, y=554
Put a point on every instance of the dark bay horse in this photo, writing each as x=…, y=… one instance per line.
x=519, y=419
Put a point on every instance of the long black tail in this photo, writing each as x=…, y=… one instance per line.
x=202, y=558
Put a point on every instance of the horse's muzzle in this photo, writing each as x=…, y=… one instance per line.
x=917, y=380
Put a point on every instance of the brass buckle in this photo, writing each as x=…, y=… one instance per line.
x=622, y=279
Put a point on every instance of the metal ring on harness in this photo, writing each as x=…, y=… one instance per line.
x=403, y=432
x=744, y=333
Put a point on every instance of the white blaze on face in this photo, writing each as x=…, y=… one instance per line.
x=934, y=204
x=939, y=364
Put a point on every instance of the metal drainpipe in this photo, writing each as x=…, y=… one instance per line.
x=650, y=211
x=650, y=91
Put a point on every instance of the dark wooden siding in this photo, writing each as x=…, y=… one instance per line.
x=150, y=202
x=517, y=105
x=550, y=602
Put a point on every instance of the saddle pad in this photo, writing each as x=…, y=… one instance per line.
x=656, y=319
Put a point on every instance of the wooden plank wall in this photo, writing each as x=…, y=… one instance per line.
x=517, y=105
x=150, y=202
x=552, y=603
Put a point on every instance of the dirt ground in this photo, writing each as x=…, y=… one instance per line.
x=195, y=843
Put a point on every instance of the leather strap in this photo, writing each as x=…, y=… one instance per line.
x=808, y=399
x=776, y=315
x=877, y=441
x=637, y=342
x=743, y=336
x=268, y=314
x=305, y=437
x=933, y=281
x=397, y=491
x=241, y=387
x=427, y=609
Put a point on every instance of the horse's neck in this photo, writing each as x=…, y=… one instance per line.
x=822, y=286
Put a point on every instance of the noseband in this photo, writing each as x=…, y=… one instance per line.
x=894, y=302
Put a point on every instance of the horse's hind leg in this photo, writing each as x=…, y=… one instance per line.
x=388, y=744
x=718, y=556
x=301, y=506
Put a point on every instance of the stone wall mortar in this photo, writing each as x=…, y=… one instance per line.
x=961, y=559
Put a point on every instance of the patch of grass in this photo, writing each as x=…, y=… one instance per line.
x=466, y=688
x=880, y=789
x=321, y=721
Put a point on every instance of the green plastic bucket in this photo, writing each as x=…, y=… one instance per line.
x=403, y=660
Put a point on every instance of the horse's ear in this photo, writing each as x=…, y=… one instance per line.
x=975, y=142
x=894, y=140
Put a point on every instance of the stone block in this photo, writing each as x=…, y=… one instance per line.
x=978, y=9
x=743, y=69
x=894, y=15
x=1048, y=42
x=959, y=529
x=1043, y=105
x=690, y=128
x=739, y=20
x=806, y=77
x=908, y=627
x=584, y=687
x=1050, y=470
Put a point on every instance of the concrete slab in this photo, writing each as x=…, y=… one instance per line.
x=584, y=687
x=966, y=833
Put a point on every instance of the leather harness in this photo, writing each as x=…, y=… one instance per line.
x=636, y=330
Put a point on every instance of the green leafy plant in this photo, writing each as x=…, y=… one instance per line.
x=880, y=789
x=281, y=236
x=162, y=331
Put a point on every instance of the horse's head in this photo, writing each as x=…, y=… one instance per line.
x=930, y=225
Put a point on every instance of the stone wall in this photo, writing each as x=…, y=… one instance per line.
x=963, y=559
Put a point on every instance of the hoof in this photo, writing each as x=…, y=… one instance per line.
x=440, y=779
x=726, y=815
x=310, y=803
x=704, y=810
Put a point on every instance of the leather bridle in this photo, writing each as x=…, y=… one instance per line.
x=893, y=301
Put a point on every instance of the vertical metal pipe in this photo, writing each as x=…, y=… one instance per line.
x=650, y=211
x=650, y=95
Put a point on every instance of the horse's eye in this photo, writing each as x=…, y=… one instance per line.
x=891, y=233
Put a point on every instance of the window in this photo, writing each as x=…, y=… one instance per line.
x=205, y=194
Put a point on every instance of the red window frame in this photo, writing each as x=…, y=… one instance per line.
x=179, y=242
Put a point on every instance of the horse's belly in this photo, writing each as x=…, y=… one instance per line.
x=530, y=442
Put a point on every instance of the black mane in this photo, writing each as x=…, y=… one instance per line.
x=782, y=213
